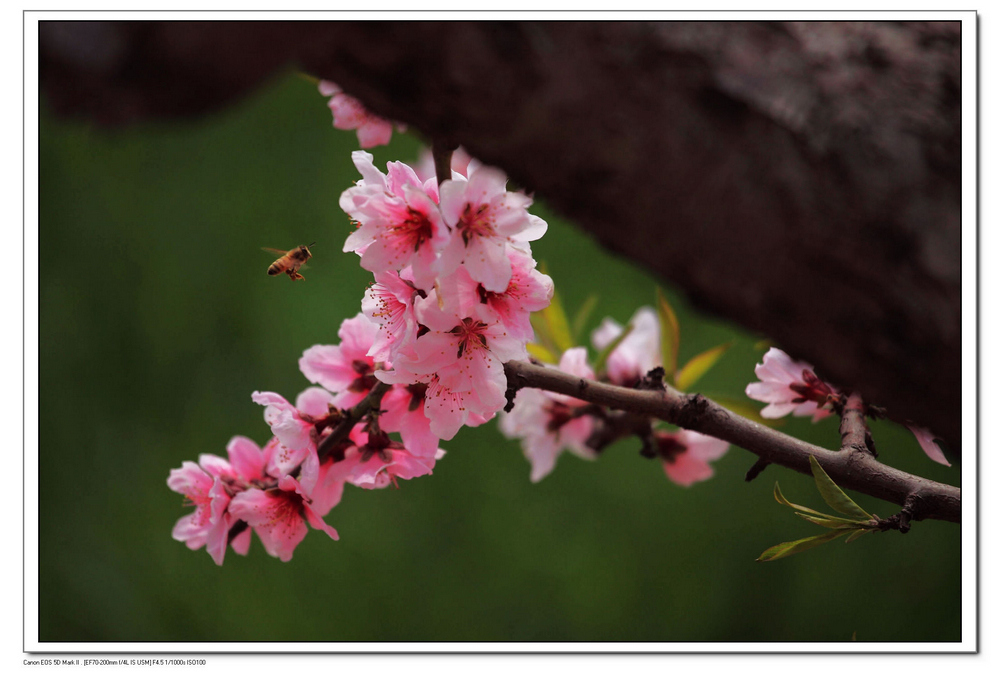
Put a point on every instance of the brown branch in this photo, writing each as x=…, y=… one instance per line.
x=442, y=160
x=351, y=418
x=854, y=432
x=854, y=470
x=756, y=469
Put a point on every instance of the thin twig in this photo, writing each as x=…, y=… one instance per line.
x=351, y=418
x=854, y=432
x=442, y=152
x=756, y=469
x=857, y=471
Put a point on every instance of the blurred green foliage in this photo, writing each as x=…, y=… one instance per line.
x=158, y=321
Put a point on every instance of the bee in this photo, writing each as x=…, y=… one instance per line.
x=290, y=261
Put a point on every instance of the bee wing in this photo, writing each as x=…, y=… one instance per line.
x=275, y=251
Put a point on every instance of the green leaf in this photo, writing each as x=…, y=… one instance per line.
x=747, y=410
x=832, y=521
x=699, y=364
x=557, y=324
x=763, y=345
x=602, y=357
x=833, y=495
x=582, y=314
x=858, y=533
x=540, y=352
x=788, y=548
x=780, y=497
x=542, y=336
x=670, y=334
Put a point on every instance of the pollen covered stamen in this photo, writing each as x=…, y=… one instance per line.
x=414, y=229
x=478, y=222
x=471, y=335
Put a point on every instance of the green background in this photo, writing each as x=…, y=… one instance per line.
x=157, y=322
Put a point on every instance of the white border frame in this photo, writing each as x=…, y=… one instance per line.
x=970, y=270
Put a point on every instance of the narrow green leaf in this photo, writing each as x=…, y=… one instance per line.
x=833, y=495
x=763, y=345
x=557, y=324
x=582, y=315
x=670, y=334
x=780, y=497
x=856, y=534
x=540, y=352
x=788, y=548
x=831, y=521
x=307, y=77
x=699, y=364
x=542, y=336
x=602, y=357
x=746, y=410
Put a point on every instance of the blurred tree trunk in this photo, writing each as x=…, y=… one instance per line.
x=800, y=179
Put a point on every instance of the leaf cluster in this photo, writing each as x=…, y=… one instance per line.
x=855, y=523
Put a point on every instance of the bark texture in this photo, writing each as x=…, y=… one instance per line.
x=800, y=179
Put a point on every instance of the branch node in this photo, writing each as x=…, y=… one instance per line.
x=653, y=380
x=691, y=411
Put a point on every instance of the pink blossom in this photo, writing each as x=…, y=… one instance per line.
x=373, y=460
x=279, y=516
x=209, y=485
x=377, y=469
x=484, y=217
x=547, y=423
x=790, y=386
x=196, y=484
x=464, y=353
x=926, y=440
x=685, y=455
x=447, y=409
x=349, y=113
x=528, y=290
x=294, y=428
x=345, y=369
x=354, y=201
x=399, y=221
x=638, y=353
x=389, y=303
x=403, y=412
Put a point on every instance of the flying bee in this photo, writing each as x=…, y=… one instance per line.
x=290, y=261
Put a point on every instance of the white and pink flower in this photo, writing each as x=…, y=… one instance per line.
x=484, y=217
x=790, y=386
x=349, y=114
x=345, y=369
x=638, y=353
x=389, y=303
x=209, y=486
x=686, y=454
x=399, y=221
x=403, y=412
x=279, y=516
x=294, y=428
x=548, y=423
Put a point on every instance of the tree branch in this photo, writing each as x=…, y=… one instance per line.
x=855, y=470
x=350, y=418
x=854, y=432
